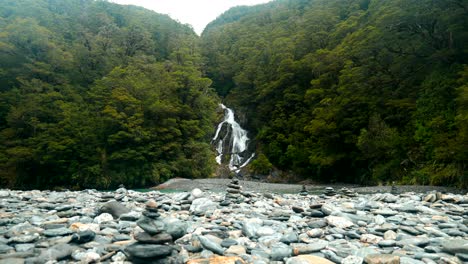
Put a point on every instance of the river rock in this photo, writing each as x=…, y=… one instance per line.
x=57, y=232
x=235, y=250
x=201, y=206
x=211, y=245
x=280, y=251
x=308, y=259
x=151, y=226
x=146, y=251
x=455, y=246
x=338, y=221
x=114, y=208
x=83, y=237
x=104, y=217
x=352, y=260
x=382, y=259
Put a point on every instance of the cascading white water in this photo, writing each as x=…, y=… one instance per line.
x=235, y=139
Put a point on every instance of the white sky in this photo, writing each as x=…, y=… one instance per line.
x=197, y=13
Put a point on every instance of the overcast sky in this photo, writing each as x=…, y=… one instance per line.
x=197, y=13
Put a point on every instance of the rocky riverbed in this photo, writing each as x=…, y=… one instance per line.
x=232, y=226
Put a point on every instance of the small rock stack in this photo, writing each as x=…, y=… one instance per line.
x=106, y=196
x=121, y=193
x=155, y=243
x=394, y=189
x=348, y=192
x=304, y=191
x=233, y=193
x=329, y=191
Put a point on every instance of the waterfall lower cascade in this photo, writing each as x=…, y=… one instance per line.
x=231, y=139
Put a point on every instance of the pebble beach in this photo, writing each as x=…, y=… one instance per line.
x=234, y=224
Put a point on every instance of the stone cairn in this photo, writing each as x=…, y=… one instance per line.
x=394, y=189
x=155, y=244
x=348, y=192
x=304, y=191
x=233, y=193
x=329, y=191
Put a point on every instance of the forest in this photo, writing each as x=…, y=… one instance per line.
x=95, y=94
x=361, y=91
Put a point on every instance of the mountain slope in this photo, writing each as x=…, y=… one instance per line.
x=357, y=91
x=94, y=94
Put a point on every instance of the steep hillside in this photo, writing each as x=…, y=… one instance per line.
x=94, y=94
x=360, y=91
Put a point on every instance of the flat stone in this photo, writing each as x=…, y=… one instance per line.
x=385, y=212
x=5, y=249
x=57, y=232
x=145, y=251
x=313, y=246
x=280, y=252
x=160, y=238
x=416, y=241
x=315, y=213
x=338, y=221
x=217, y=260
x=387, y=243
x=228, y=242
x=130, y=216
x=201, y=206
x=57, y=252
x=24, y=247
x=265, y=231
x=24, y=239
x=382, y=259
x=12, y=261
x=308, y=259
x=104, y=217
x=317, y=224
x=151, y=226
x=455, y=246
x=352, y=260
x=175, y=227
x=315, y=233
x=211, y=245
x=235, y=250
x=4, y=193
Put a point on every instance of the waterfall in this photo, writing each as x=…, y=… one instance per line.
x=231, y=139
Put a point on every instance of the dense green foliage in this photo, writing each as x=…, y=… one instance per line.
x=94, y=94
x=360, y=91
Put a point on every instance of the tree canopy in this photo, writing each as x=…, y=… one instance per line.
x=360, y=91
x=94, y=94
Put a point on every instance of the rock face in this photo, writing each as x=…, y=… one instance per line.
x=193, y=227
